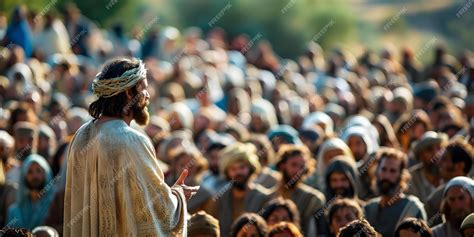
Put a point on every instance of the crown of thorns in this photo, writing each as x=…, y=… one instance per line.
x=112, y=86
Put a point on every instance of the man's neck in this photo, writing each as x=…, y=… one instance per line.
x=35, y=195
x=127, y=119
x=388, y=200
x=238, y=193
x=432, y=179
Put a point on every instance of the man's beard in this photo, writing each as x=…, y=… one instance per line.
x=387, y=188
x=214, y=170
x=35, y=185
x=140, y=113
x=240, y=182
x=343, y=192
x=291, y=181
x=455, y=217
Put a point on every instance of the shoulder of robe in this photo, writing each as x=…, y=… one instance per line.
x=308, y=190
x=414, y=199
x=416, y=168
x=124, y=136
x=259, y=189
x=371, y=202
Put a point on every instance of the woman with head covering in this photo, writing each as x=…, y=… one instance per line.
x=263, y=116
x=328, y=150
x=359, y=141
x=320, y=119
x=34, y=194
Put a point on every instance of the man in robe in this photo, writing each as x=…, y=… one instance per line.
x=114, y=186
x=239, y=164
x=392, y=205
x=294, y=163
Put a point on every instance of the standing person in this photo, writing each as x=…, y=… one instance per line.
x=114, y=185
x=456, y=205
x=392, y=206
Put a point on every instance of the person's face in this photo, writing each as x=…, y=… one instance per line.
x=257, y=123
x=24, y=143
x=468, y=231
x=277, y=141
x=35, y=177
x=234, y=107
x=417, y=131
x=388, y=175
x=278, y=215
x=339, y=183
x=213, y=158
x=139, y=108
x=459, y=202
x=409, y=233
x=341, y=218
x=43, y=143
x=328, y=155
x=427, y=155
x=239, y=172
x=4, y=151
x=293, y=168
x=200, y=123
x=357, y=146
x=447, y=168
x=248, y=231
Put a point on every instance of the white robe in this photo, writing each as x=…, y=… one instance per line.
x=115, y=187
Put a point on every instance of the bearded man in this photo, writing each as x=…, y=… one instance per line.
x=114, y=185
x=392, y=206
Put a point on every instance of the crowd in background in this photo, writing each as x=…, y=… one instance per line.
x=329, y=144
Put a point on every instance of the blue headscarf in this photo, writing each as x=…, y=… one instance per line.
x=25, y=213
x=18, y=32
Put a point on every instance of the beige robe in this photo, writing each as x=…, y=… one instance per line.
x=115, y=187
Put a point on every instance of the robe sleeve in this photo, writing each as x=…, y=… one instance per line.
x=162, y=205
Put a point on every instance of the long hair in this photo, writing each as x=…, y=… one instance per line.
x=113, y=106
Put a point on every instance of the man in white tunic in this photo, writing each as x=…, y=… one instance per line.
x=114, y=185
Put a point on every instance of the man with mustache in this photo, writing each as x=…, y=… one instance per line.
x=114, y=185
x=35, y=194
x=456, y=160
x=392, y=206
x=239, y=164
x=457, y=204
x=425, y=175
x=295, y=162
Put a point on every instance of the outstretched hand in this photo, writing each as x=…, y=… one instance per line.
x=189, y=191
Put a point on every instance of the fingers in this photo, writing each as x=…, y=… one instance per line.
x=182, y=177
x=191, y=188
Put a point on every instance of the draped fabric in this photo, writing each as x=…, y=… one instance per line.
x=114, y=186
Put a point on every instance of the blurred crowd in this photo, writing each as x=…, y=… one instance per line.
x=328, y=144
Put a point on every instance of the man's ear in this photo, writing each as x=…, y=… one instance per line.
x=128, y=93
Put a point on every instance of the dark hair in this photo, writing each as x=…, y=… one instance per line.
x=113, y=106
x=288, y=151
x=287, y=204
x=360, y=228
x=285, y=226
x=460, y=151
x=247, y=219
x=340, y=204
x=392, y=153
x=415, y=225
x=15, y=232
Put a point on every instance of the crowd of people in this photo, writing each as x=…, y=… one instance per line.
x=328, y=144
